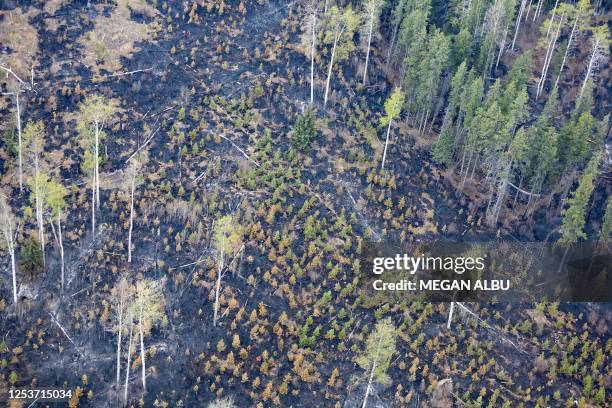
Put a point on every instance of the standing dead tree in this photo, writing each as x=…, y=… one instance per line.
x=93, y=115
x=122, y=297
x=38, y=179
x=56, y=201
x=8, y=230
x=341, y=27
x=311, y=9
x=133, y=181
x=600, y=44
x=21, y=38
x=147, y=309
x=370, y=15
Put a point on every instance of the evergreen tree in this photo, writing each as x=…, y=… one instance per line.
x=380, y=348
x=304, y=131
x=443, y=148
x=572, y=228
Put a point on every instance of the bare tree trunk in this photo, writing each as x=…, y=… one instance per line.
x=60, y=242
x=503, y=45
x=329, y=72
x=133, y=186
x=96, y=161
x=591, y=64
x=39, y=217
x=19, y=137
x=119, y=338
x=365, y=69
x=369, y=387
x=537, y=10
x=312, y=54
x=142, y=353
x=552, y=18
x=569, y=43
x=450, y=315
x=217, y=291
x=382, y=166
x=501, y=195
x=93, y=203
x=528, y=10
x=518, y=22
x=127, y=369
x=13, y=270
x=548, y=58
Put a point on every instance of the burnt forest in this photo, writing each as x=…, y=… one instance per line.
x=191, y=192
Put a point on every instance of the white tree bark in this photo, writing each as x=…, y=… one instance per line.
x=218, y=290
x=93, y=203
x=119, y=329
x=9, y=238
x=127, y=368
x=595, y=55
x=369, y=387
x=329, y=72
x=97, y=164
x=13, y=271
x=382, y=165
x=370, y=29
x=518, y=22
x=39, y=214
x=548, y=58
x=569, y=43
x=537, y=10
x=60, y=242
x=18, y=119
x=133, y=186
x=450, y=315
x=142, y=352
x=312, y=54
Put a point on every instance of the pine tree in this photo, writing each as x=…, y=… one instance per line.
x=380, y=348
x=572, y=228
x=304, y=131
x=397, y=15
